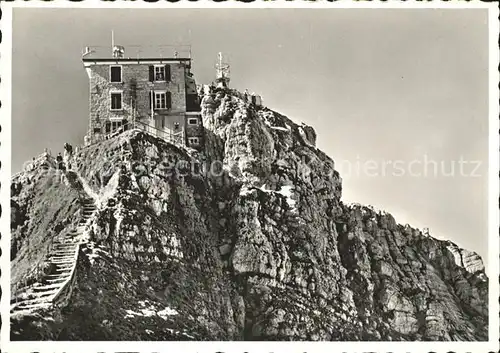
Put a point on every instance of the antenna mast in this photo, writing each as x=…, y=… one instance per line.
x=223, y=72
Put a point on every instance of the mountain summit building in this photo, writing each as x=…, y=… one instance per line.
x=156, y=93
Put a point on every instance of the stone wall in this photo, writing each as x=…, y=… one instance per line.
x=135, y=78
x=194, y=130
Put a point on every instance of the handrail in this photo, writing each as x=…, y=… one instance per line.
x=75, y=261
x=145, y=127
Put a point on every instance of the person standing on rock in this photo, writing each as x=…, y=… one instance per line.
x=68, y=153
x=60, y=163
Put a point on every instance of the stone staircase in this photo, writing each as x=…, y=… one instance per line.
x=62, y=259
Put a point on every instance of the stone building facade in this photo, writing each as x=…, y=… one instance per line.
x=156, y=94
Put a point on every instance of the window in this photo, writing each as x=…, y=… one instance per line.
x=160, y=73
x=160, y=100
x=194, y=140
x=193, y=121
x=116, y=100
x=115, y=125
x=116, y=74
x=176, y=126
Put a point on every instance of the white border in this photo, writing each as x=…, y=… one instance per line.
x=286, y=347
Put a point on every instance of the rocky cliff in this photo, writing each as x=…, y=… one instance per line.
x=247, y=240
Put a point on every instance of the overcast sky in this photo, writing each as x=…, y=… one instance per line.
x=381, y=87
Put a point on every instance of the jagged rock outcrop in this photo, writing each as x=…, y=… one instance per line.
x=249, y=239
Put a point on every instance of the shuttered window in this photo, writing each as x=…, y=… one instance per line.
x=160, y=100
x=168, y=98
x=168, y=75
x=159, y=73
x=151, y=73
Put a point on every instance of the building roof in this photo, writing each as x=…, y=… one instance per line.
x=139, y=60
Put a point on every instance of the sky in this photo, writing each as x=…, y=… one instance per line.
x=398, y=98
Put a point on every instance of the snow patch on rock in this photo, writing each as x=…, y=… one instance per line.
x=148, y=310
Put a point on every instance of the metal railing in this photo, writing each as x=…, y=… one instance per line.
x=176, y=138
x=182, y=51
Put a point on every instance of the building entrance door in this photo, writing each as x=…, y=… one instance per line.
x=159, y=124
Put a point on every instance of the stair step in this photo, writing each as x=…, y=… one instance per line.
x=60, y=267
x=53, y=276
x=66, y=272
x=46, y=287
x=62, y=262
x=66, y=256
x=29, y=307
x=42, y=300
x=63, y=271
x=38, y=296
x=64, y=253
x=55, y=280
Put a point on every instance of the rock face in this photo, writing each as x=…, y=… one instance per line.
x=249, y=240
x=42, y=206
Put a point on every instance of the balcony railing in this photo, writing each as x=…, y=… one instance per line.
x=176, y=138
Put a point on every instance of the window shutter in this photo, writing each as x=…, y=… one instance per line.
x=150, y=99
x=167, y=73
x=151, y=73
x=168, y=98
